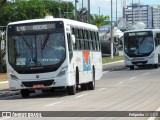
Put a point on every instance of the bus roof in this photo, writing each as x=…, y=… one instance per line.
x=155, y=30
x=66, y=21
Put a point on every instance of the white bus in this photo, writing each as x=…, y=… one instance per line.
x=142, y=47
x=51, y=53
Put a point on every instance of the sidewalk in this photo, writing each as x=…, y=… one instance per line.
x=106, y=67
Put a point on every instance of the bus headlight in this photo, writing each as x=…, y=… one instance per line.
x=152, y=56
x=63, y=71
x=12, y=75
x=126, y=58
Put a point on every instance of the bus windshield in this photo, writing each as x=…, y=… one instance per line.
x=138, y=46
x=39, y=50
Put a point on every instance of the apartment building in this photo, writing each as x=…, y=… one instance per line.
x=156, y=16
x=135, y=13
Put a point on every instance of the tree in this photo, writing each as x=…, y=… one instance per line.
x=99, y=20
x=2, y=3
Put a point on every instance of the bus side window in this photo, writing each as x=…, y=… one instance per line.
x=90, y=40
x=158, y=38
x=86, y=40
x=73, y=33
x=77, y=45
x=70, y=46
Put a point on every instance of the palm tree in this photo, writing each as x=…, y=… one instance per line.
x=82, y=15
x=99, y=20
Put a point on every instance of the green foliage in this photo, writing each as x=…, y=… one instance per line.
x=99, y=20
x=33, y=9
x=21, y=10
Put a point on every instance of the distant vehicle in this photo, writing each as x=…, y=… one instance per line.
x=51, y=53
x=106, y=48
x=142, y=47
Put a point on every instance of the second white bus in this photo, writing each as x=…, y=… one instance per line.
x=142, y=47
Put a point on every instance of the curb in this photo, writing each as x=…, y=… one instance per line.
x=113, y=62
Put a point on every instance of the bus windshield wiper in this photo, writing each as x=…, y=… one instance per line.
x=45, y=41
x=25, y=40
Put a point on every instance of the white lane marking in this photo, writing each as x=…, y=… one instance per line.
x=4, y=82
x=153, y=118
x=5, y=118
x=145, y=73
x=132, y=78
x=105, y=72
x=101, y=89
x=53, y=104
x=80, y=95
x=119, y=83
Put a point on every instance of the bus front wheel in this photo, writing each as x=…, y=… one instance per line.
x=25, y=93
x=155, y=65
x=131, y=67
x=71, y=90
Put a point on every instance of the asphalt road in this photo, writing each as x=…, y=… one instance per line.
x=120, y=90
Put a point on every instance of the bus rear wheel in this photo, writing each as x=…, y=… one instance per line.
x=71, y=90
x=25, y=93
x=91, y=85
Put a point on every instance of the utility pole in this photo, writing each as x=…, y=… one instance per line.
x=116, y=10
x=76, y=9
x=132, y=12
x=111, y=33
x=82, y=11
x=99, y=12
x=88, y=11
x=60, y=9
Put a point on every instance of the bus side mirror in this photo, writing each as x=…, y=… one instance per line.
x=73, y=39
x=2, y=44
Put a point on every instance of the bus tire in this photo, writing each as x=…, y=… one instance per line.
x=155, y=65
x=25, y=93
x=71, y=90
x=91, y=85
x=84, y=87
x=131, y=67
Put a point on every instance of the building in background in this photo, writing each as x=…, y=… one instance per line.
x=135, y=13
x=156, y=16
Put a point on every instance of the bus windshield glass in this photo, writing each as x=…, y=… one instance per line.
x=36, y=47
x=138, y=44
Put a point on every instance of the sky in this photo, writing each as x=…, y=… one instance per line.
x=105, y=6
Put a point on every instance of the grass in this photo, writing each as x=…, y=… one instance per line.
x=115, y=58
x=3, y=77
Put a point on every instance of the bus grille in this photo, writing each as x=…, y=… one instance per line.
x=138, y=62
x=31, y=83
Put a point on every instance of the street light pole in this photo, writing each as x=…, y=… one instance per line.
x=88, y=11
x=76, y=9
x=111, y=33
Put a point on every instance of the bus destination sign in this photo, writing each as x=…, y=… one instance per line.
x=37, y=27
x=138, y=34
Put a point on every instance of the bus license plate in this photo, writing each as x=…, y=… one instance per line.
x=139, y=63
x=38, y=86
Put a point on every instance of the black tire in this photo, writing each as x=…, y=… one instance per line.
x=131, y=67
x=155, y=65
x=84, y=87
x=91, y=85
x=71, y=90
x=25, y=93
